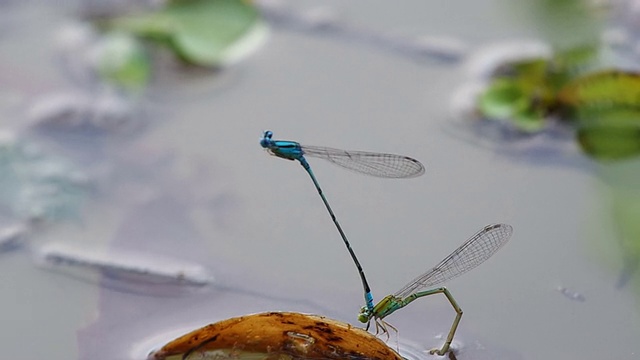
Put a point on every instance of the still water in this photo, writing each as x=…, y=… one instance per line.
x=207, y=226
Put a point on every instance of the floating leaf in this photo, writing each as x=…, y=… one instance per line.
x=610, y=142
x=531, y=71
x=529, y=119
x=517, y=100
x=606, y=108
x=202, y=32
x=501, y=100
x=277, y=335
x=608, y=89
x=122, y=61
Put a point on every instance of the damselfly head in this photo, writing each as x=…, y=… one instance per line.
x=364, y=315
x=266, y=141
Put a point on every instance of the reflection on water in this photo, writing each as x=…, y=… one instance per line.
x=621, y=179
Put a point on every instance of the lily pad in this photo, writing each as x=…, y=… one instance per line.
x=501, y=100
x=200, y=32
x=609, y=89
x=529, y=119
x=610, y=142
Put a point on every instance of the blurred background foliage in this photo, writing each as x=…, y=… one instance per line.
x=206, y=33
x=579, y=86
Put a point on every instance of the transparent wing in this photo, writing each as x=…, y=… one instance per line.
x=369, y=163
x=472, y=253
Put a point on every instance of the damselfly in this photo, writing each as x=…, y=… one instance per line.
x=472, y=253
x=374, y=164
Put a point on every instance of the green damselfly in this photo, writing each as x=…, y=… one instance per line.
x=470, y=254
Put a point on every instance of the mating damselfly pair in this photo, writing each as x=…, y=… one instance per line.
x=470, y=254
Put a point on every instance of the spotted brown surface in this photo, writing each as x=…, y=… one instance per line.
x=277, y=335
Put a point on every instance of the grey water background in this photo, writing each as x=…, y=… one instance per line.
x=195, y=185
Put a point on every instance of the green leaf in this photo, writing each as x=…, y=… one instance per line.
x=522, y=102
x=610, y=142
x=606, y=107
x=201, y=32
x=501, y=100
x=123, y=61
x=609, y=89
x=530, y=71
x=609, y=132
x=529, y=119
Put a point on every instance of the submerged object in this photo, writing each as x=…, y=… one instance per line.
x=277, y=335
x=125, y=271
